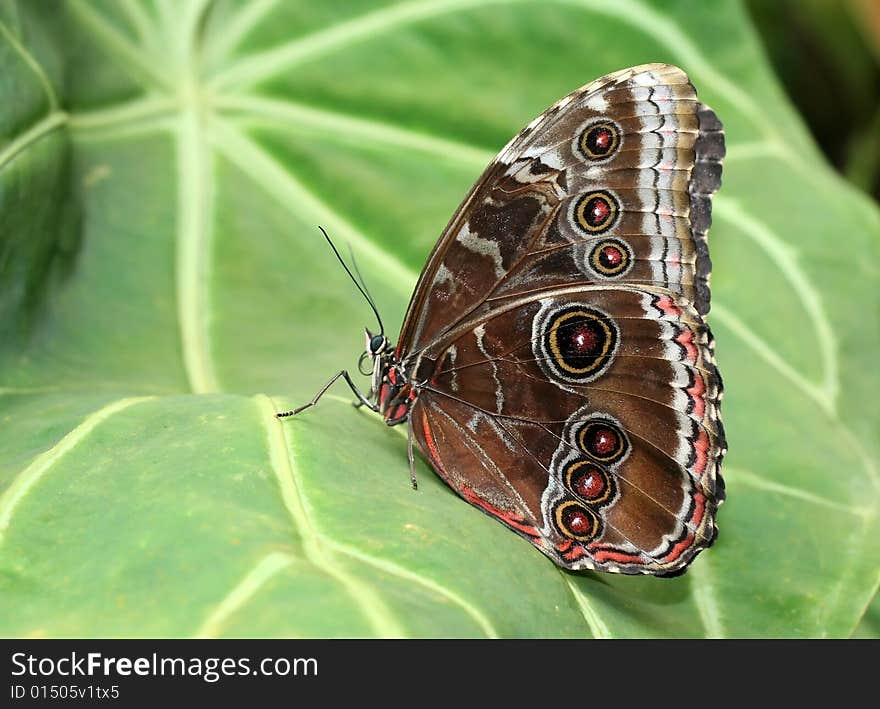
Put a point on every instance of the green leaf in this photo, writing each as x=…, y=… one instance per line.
x=162, y=278
x=869, y=627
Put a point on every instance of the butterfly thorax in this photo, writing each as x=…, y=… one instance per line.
x=394, y=394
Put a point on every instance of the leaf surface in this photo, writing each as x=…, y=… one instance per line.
x=164, y=290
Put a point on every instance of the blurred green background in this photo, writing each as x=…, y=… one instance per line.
x=827, y=55
x=164, y=290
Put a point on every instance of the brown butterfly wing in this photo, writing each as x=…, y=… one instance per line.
x=587, y=231
x=623, y=431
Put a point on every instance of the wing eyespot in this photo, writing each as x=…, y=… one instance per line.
x=599, y=140
x=610, y=258
x=603, y=441
x=588, y=481
x=596, y=212
x=574, y=344
x=575, y=521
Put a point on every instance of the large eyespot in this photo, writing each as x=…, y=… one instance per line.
x=610, y=258
x=599, y=141
x=574, y=343
x=602, y=440
x=595, y=212
x=588, y=481
x=575, y=521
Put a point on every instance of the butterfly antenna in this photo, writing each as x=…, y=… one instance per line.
x=354, y=280
x=358, y=273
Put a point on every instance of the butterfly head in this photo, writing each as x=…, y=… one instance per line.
x=379, y=352
x=377, y=345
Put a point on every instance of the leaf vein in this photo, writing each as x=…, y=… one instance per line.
x=595, y=623
x=283, y=112
x=137, y=17
x=740, y=476
x=393, y=569
x=25, y=481
x=293, y=195
x=703, y=588
x=238, y=27
x=33, y=65
x=371, y=605
x=340, y=125
x=150, y=109
x=32, y=135
x=194, y=249
x=835, y=597
x=262, y=65
x=138, y=66
x=723, y=315
x=783, y=255
x=255, y=579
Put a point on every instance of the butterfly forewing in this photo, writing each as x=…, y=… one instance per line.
x=565, y=375
x=610, y=162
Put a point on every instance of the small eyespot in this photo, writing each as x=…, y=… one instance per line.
x=603, y=441
x=610, y=258
x=575, y=521
x=588, y=481
x=596, y=212
x=599, y=141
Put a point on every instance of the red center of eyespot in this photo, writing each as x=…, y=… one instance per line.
x=578, y=521
x=604, y=441
x=590, y=484
x=611, y=256
x=602, y=138
x=583, y=339
x=598, y=210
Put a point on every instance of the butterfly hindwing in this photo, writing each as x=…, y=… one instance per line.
x=599, y=400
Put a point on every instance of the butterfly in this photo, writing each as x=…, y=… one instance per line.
x=554, y=365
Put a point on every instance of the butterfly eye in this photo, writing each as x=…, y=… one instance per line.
x=576, y=521
x=377, y=344
x=599, y=140
x=596, y=212
x=603, y=441
x=588, y=481
x=610, y=258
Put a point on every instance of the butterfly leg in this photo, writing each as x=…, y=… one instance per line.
x=409, y=451
x=362, y=400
